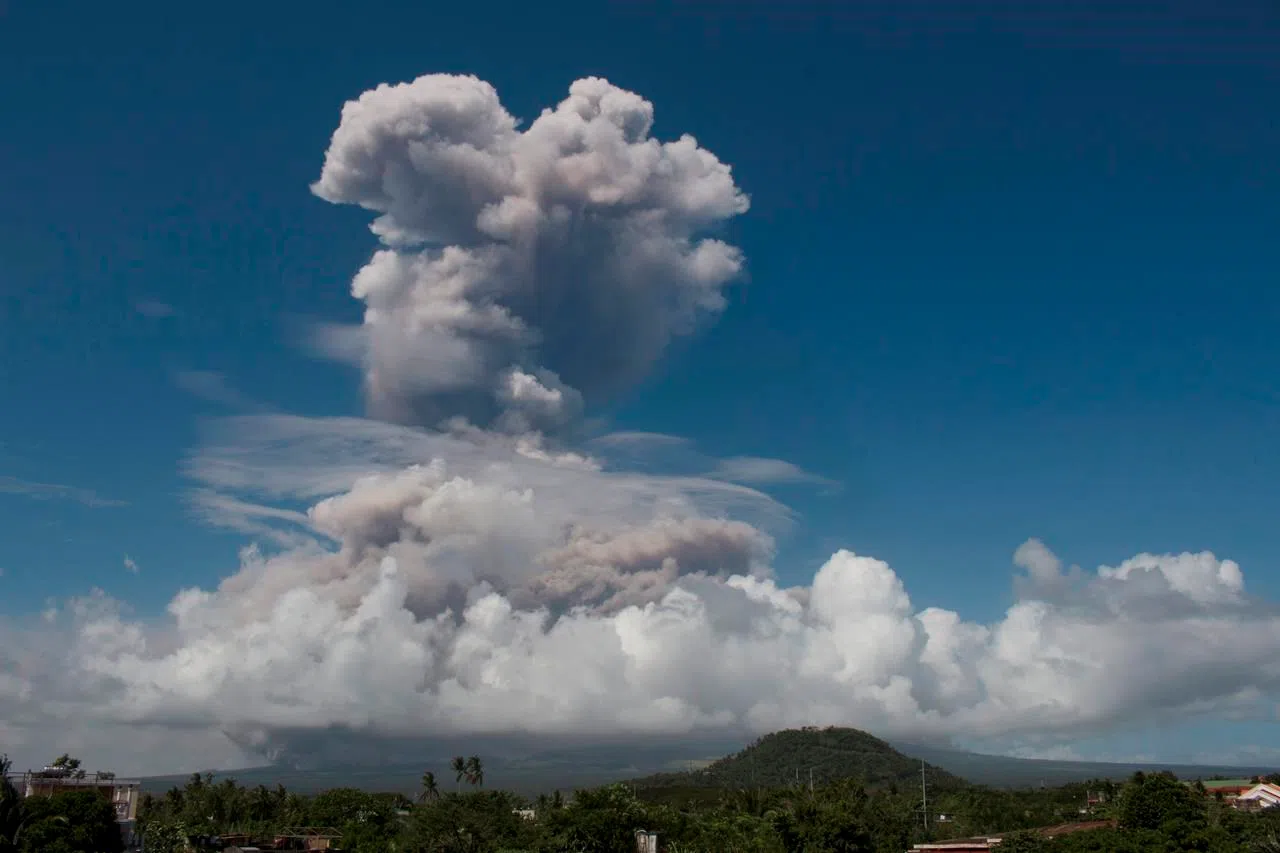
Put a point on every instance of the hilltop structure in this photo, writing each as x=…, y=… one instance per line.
x=810, y=756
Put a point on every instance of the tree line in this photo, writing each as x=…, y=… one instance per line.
x=1149, y=812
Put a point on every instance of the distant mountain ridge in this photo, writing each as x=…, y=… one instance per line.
x=529, y=771
x=1004, y=771
x=518, y=768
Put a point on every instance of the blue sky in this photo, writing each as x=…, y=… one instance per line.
x=1011, y=275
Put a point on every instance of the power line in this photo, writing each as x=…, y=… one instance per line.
x=924, y=794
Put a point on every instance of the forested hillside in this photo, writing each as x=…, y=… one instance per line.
x=798, y=756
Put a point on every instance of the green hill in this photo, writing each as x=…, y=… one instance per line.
x=794, y=756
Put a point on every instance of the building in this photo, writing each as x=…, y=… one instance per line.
x=121, y=793
x=1264, y=795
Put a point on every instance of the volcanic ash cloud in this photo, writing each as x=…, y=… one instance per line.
x=457, y=564
x=522, y=269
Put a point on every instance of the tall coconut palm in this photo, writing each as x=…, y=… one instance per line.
x=475, y=771
x=460, y=768
x=430, y=790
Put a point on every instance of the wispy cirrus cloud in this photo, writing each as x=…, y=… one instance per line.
x=54, y=491
x=760, y=470
x=155, y=309
x=283, y=527
x=247, y=462
x=639, y=440
x=672, y=452
x=212, y=386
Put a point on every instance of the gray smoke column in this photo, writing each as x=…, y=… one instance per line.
x=522, y=269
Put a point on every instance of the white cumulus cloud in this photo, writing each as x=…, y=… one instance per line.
x=420, y=623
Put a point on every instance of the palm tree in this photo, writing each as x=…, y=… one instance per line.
x=475, y=771
x=460, y=769
x=430, y=790
x=12, y=813
x=69, y=764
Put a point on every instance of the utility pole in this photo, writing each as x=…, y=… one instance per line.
x=924, y=794
x=811, y=781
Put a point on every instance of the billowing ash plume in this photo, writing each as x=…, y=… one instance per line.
x=483, y=575
x=523, y=268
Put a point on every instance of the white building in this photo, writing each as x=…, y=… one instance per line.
x=1262, y=796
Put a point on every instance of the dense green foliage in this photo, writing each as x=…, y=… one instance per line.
x=1151, y=812
x=1155, y=813
x=70, y=822
x=209, y=806
x=1159, y=800
x=168, y=837
x=481, y=821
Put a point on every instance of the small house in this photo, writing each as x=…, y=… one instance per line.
x=1261, y=796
